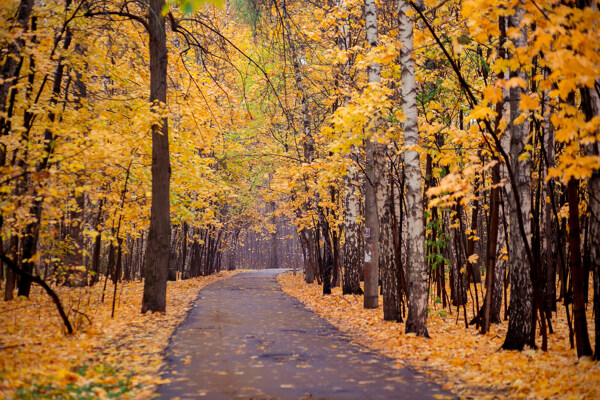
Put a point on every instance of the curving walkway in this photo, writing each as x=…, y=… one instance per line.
x=246, y=339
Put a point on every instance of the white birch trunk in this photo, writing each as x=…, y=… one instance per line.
x=416, y=266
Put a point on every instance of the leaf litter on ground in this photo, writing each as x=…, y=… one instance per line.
x=106, y=357
x=462, y=360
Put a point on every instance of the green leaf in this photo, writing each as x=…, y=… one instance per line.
x=189, y=6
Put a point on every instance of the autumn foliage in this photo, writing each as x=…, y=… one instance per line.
x=105, y=358
x=463, y=361
x=439, y=151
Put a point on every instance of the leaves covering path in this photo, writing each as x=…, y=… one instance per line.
x=468, y=363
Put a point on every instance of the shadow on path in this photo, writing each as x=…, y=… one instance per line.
x=246, y=339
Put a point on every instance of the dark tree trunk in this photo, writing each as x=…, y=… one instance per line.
x=591, y=103
x=582, y=339
x=521, y=330
x=11, y=276
x=273, y=259
x=387, y=260
x=159, y=236
x=335, y=281
x=97, y=247
x=373, y=152
x=491, y=251
x=11, y=68
x=397, y=223
x=327, y=253
x=306, y=239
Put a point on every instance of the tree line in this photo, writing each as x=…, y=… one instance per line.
x=434, y=149
x=466, y=136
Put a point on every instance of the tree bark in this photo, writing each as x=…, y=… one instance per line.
x=159, y=237
x=11, y=276
x=582, y=339
x=387, y=260
x=307, y=241
x=501, y=265
x=591, y=104
x=97, y=247
x=520, y=325
x=593, y=110
x=11, y=68
x=273, y=261
x=371, y=298
x=416, y=321
x=491, y=251
x=549, y=228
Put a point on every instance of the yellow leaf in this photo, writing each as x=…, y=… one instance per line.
x=528, y=103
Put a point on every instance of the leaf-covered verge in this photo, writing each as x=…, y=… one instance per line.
x=464, y=361
x=107, y=357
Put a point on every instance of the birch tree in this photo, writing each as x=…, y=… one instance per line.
x=416, y=265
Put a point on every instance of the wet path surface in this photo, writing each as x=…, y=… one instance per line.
x=246, y=339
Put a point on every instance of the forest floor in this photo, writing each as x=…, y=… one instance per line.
x=106, y=357
x=461, y=360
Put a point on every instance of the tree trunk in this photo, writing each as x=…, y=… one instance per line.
x=491, y=251
x=520, y=325
x=11, y=276
x=416, y=321
x=578, y=277
x=11, y=68
x=273, y=261
x=592, y=98
x=397, y=228
x=308, y=248
x=549, y=257
x=387, y=260
x=97, y=247
x=371, y=298
x=159, y=236
x=173, y=257
x=327, y=252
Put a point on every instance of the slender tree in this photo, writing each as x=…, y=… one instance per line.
x=371, y=298
x=416, y=265
x=521, y=323
x=354, y=243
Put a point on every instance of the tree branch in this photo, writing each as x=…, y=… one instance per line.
x=472, y=102
x=36, y=279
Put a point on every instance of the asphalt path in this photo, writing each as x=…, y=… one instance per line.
x=246, y=339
